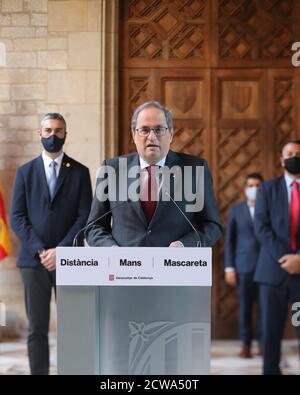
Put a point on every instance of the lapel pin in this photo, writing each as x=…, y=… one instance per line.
x=67, y=164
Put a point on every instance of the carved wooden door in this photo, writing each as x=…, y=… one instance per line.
x=224, y=68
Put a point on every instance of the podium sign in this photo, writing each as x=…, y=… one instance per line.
x=133, y=310
x=130, y=266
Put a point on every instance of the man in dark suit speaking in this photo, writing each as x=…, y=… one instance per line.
x=158, y=218
x=241, y=254
x=51, y=202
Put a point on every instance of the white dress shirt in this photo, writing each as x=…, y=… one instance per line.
x=144, y=164
x=144, y=173
x=47, y=161
x=252, y=210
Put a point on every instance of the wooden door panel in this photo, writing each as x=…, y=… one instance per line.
x=187, y=93
x=254, y=33
x=238, y=125
x=282, y=103
x=165, y=32
x=224, y=68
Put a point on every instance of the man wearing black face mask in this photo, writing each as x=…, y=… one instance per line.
x=277, y=227
x=51, y=202
x=241, y=251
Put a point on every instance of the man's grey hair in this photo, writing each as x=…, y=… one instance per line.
x=152, y=104
x=53, y=115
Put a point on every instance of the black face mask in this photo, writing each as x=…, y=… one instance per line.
x=292, y=165
x=53, y=143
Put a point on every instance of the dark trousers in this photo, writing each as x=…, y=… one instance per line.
x=274, y=305
x=248, y=296
x=38, y=283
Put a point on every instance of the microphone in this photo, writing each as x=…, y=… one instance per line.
x=87, y=226
x=185, y=216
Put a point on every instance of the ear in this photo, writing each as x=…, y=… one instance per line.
x=282, y=161
x=171, y=136
x=133, y=135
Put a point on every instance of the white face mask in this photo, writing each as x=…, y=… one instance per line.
x=251, y=193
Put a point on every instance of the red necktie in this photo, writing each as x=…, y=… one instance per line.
x=295, y=212
x=149, y=198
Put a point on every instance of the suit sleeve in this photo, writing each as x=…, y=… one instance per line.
x=207, y=220
x=230, y=240
x=84, y=204
x=99, y=231
x=262, y=226
x=19, y=220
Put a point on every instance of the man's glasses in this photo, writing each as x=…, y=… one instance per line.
x=157, y=130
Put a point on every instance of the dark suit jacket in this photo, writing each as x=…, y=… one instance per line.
x=43, y=223
x=129, y=226
x=272, y=228
x=241, y=245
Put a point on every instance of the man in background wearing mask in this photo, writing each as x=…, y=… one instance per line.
x=51, y=202
x=241, y=253
x=277, y=227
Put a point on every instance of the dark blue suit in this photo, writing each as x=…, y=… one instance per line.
x=241, y=253
x=277, y=287
x=40, y=222
x=44, y=223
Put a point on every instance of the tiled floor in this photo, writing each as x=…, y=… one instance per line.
x=225, y=361
x=13, y=358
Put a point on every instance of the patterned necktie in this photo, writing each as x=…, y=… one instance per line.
x=295, y=212
x=53, y=178
x=149, y=195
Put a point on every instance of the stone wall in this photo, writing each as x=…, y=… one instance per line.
x=53, y=62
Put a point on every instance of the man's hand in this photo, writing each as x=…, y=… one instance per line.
x=48, y=259
x=290, y=263
x=176, y=243
x=230, y=278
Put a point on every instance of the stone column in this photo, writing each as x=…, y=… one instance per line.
x=60, y=56
x=109, y=87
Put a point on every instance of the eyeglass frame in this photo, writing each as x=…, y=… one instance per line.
x=154, y=129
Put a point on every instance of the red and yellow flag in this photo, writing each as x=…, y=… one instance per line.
x=5, y=248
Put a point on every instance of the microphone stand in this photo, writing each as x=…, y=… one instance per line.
x=87, y=226
x=185, y=216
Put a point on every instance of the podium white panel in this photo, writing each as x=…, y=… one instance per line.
x=121, y=329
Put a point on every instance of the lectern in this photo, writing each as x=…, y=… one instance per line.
x=133, y=311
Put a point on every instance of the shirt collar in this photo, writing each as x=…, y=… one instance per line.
x=47, y=160
x=289, y=180
x=144, y=164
